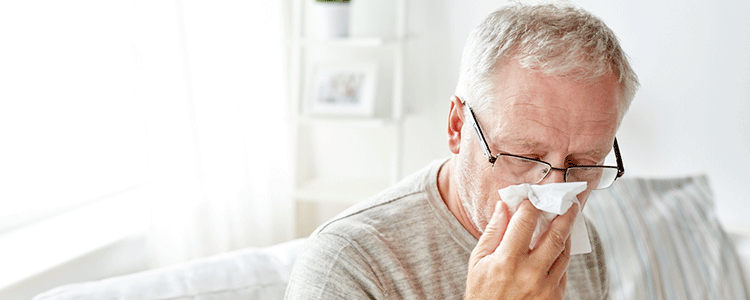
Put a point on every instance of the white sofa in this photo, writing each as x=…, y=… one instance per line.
x=252, y=273
x=661, y=237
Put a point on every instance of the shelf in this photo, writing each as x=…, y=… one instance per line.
x=346, y=121
x=344, y=191
x=349, y=42
x=325, y=145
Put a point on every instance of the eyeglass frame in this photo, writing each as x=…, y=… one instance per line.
x=492, y=159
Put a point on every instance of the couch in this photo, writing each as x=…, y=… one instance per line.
x=661, y=237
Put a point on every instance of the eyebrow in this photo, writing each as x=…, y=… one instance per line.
x=523, y=143
x=531, y=145
x=596, y=152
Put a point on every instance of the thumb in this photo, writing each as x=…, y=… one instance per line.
x=493, y=233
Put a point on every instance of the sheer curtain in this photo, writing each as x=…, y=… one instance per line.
x=212, y=77
x=66, y=108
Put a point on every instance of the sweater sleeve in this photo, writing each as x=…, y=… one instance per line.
x=332, y=267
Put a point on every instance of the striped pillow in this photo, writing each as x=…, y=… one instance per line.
x=662, y=241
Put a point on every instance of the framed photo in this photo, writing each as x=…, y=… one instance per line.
x=342, y=89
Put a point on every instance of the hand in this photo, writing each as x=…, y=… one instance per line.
x=503, y=267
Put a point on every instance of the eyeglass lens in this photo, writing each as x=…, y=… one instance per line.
x=522, y=170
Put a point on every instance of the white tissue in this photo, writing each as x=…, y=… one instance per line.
x=552, y=199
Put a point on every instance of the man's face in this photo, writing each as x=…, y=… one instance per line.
x=554, y=119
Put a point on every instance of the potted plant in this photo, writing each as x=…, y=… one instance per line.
x=331, y=18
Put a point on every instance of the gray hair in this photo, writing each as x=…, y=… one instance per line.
x=558, y=40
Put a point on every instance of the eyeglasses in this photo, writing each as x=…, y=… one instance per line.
x=519, y=169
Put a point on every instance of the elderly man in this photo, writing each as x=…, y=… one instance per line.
x=540, y=96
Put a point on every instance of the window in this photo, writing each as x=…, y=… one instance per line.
x=72, y=130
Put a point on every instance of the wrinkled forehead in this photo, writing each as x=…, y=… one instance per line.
x=531, y=104
x=515, y=86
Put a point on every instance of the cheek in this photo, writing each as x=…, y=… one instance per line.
x=476, y=180
x=477, y=185
x=485, y=188
x=490, y=185
x=479, y=177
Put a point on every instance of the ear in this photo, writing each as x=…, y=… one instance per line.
x=455, y=124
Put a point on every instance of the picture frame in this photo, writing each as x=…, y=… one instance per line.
x=343, y=89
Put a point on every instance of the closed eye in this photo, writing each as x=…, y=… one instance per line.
x=583, y=161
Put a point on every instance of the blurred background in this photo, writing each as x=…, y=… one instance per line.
x=140, y=134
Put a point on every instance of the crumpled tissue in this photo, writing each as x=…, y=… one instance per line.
x=552, y=199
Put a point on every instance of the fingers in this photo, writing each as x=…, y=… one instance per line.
x=563, y=284
x=512, y=271
x=559, y=267
x=493, y=233
x=520, y=229
x=555, y=240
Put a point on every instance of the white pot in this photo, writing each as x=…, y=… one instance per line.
x=331, y=19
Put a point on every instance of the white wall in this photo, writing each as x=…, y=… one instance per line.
x=690, y=114
x=689, y=117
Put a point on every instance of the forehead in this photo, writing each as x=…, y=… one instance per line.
x=531, y=109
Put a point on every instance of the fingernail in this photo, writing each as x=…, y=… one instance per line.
x=497, y=208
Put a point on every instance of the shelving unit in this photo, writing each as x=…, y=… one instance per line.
x=341, y=160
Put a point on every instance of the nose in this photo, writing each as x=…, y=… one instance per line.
x=554, y=175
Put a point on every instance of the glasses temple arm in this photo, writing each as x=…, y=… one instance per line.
x=620, y=166
x=478, y=130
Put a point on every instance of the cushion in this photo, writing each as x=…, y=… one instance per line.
x=662, y=240
x=252, y=273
